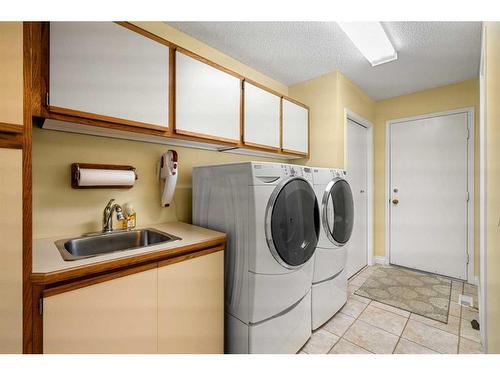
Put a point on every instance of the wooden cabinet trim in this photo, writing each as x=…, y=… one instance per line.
x=292, y=152
x=112, y=265
x=262, y=87
x=11, y=128
x=145, y=33
x=296, y=102
x=81, y=283
x=108, y=119
x=11, y=140
x=259, y=147
x=29, y=326
x=194, y=136
x=183, y=258
x=208, y=62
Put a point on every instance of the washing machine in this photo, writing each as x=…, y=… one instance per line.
x=329, y=286
x=270, y=214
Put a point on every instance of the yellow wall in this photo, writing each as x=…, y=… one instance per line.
x=59, y=210
x=459, y=95
x=493, y=184
x=326, y=137
x=11, y=72
x=328, y=96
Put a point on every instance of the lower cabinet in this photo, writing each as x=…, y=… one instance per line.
x=175, y=308
x=191, y=306
x=116, y=316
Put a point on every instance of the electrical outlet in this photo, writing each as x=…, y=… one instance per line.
x=465, y=300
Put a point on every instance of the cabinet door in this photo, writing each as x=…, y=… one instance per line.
x=295, y=127
x=191, y=305
x=116, y=316
x=207, y=100
x=11, y=252
x=105, y=69
x=261, y=117
x=11, y=73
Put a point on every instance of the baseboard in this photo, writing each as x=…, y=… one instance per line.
x=380, y=260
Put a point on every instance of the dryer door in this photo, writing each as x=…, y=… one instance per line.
x=292, y=222
x=338, y=211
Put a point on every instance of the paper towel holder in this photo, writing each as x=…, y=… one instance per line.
x=75, y=175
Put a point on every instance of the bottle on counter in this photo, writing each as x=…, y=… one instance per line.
x=130, y=217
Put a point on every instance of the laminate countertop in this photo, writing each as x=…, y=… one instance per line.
x=50, y=267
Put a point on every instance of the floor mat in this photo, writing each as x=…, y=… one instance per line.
x=420, y=293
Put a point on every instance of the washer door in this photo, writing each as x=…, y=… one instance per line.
x=338, y=211
x=292, y=222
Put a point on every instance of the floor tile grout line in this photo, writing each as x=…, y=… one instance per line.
x=401, y=335
x=406, y=338
x=354, y=321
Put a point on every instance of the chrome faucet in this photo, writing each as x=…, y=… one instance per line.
x=107, y=215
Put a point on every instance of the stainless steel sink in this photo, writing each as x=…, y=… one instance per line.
x=94, y=244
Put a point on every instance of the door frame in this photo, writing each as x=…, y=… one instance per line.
x=470, y=182
x=482, y=195
x=353, y=116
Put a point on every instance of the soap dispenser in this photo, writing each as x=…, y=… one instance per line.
x=131, y=217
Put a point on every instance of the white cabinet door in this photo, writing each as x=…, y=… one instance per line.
x=295, y=127
x=106, y=69
x=207, y=100
x=262, y=117
x=191, y=306
x=116, y=316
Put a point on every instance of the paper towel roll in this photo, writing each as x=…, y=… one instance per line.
x=106, y=177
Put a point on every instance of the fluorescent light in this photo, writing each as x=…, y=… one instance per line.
x=371, y=40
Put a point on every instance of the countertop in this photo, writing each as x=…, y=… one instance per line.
x=49, y=266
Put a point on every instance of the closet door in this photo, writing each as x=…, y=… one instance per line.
x=108, y=72
x=261, y=117
x=207, y=100
x=295, y=127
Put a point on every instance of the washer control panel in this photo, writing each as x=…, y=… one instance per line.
x=297, y=171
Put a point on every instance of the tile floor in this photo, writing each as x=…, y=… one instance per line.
x=365, y=326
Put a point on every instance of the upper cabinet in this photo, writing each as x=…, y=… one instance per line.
x=119, y=80
x=207, y=100
x=108, y=72
x=261, y=117
x=11, y=74
x=295, y=127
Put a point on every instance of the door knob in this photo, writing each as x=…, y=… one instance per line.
x=395, y=201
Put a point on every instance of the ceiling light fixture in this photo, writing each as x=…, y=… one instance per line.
x=371, y=40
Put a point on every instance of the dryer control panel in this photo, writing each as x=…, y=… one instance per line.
x=297, y=171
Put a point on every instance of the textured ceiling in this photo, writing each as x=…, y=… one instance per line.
x=430, y=54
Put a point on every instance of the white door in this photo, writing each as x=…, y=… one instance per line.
x=428, y=194
x=357, y=175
